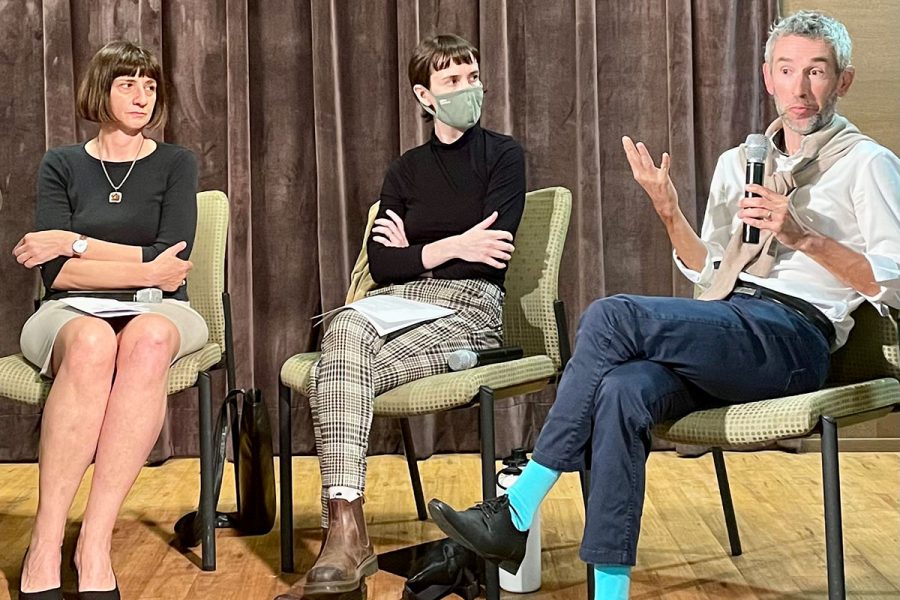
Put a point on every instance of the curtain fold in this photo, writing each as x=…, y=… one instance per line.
x=296, y=109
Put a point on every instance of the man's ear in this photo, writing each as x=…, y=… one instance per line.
x=422, y=94
x=845, y=79
x=767, y=78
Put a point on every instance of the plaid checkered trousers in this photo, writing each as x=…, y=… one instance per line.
x=357, y=364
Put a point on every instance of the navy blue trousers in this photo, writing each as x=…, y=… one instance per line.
x=641, y=360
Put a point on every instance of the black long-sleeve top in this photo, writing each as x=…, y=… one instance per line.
x=441, y=190
x=158, y=207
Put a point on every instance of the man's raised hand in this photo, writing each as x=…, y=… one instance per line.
x=655, y=180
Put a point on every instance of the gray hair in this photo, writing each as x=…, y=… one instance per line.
x=817, y=26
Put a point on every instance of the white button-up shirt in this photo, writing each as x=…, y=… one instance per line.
x=856, y=202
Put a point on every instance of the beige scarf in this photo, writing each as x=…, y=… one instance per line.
x=818, y=152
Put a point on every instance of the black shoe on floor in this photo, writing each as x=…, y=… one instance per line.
x=486, y=529
x=52, y=594
x=112, y=594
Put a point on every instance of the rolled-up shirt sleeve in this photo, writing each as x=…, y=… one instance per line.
x=718, y=222
x=876, y=201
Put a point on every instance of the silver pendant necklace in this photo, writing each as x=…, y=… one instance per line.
x=115, y=196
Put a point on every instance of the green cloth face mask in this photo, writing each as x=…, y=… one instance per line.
x=460, y=109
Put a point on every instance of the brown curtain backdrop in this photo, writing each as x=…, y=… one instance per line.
x=295, y=109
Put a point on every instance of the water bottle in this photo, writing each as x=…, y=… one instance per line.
x=528, y=577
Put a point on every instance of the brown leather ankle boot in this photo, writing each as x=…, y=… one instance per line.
x=302, y=591
x=297, y=591
x=322, y=544
x=347, y=554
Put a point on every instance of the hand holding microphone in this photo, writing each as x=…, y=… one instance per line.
x=757, y=147
x=764, y=206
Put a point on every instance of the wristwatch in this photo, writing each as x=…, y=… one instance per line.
x=79, y=246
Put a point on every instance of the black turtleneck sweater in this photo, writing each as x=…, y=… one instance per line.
x=441, y=190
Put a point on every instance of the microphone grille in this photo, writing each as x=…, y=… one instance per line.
x=756, y=146
x=460, y=360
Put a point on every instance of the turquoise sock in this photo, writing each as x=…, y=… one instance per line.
x=527, y=493
x=611, y=582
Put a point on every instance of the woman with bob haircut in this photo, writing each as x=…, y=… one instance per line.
x=443, y=235
x=115, y=212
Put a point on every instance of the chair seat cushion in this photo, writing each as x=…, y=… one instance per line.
x=435, y=393
x=183, y=374
x=22, y=381
x=452, y=390
x=295, y=370
x=779, y=418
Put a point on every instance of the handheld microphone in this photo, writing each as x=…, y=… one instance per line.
x=466, y=359
x=148, y=295
x=756, y=147
x=145, y=295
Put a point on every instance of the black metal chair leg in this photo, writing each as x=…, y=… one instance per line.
x=831, y=481
x=409, y=450
x=734, y=536
x=286, y=476
x=207, y=474
x=488, y=486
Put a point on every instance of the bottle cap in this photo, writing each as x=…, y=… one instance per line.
x=518, y=458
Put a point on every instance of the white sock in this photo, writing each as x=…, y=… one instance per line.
x=344, y=493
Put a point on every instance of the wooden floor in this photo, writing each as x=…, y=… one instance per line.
x=682, y=547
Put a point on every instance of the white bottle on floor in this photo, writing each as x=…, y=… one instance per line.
x=528, y=578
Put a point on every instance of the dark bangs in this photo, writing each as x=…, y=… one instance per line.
x=134, y=61
x=119, y=59
x=456, y=54
x=436, y=53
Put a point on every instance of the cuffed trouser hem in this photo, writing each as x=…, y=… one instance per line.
x=557, y=464
x=594, y=556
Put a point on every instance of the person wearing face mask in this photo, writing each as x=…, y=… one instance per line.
x=443, y=235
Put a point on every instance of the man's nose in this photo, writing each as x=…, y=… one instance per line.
x=801, y=86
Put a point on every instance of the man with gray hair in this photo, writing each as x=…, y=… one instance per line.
x=828, y=215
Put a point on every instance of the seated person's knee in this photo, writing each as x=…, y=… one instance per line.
x=87, y=341
x=607, y=310
x=152, y=335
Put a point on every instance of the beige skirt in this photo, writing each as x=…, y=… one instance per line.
x=40, y=330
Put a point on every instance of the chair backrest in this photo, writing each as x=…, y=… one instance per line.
x=532, y=280
x=206, y=282
x=871, y=351
x=361, y=278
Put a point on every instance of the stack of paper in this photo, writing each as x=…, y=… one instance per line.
x=390, y=313
x=105, y=308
